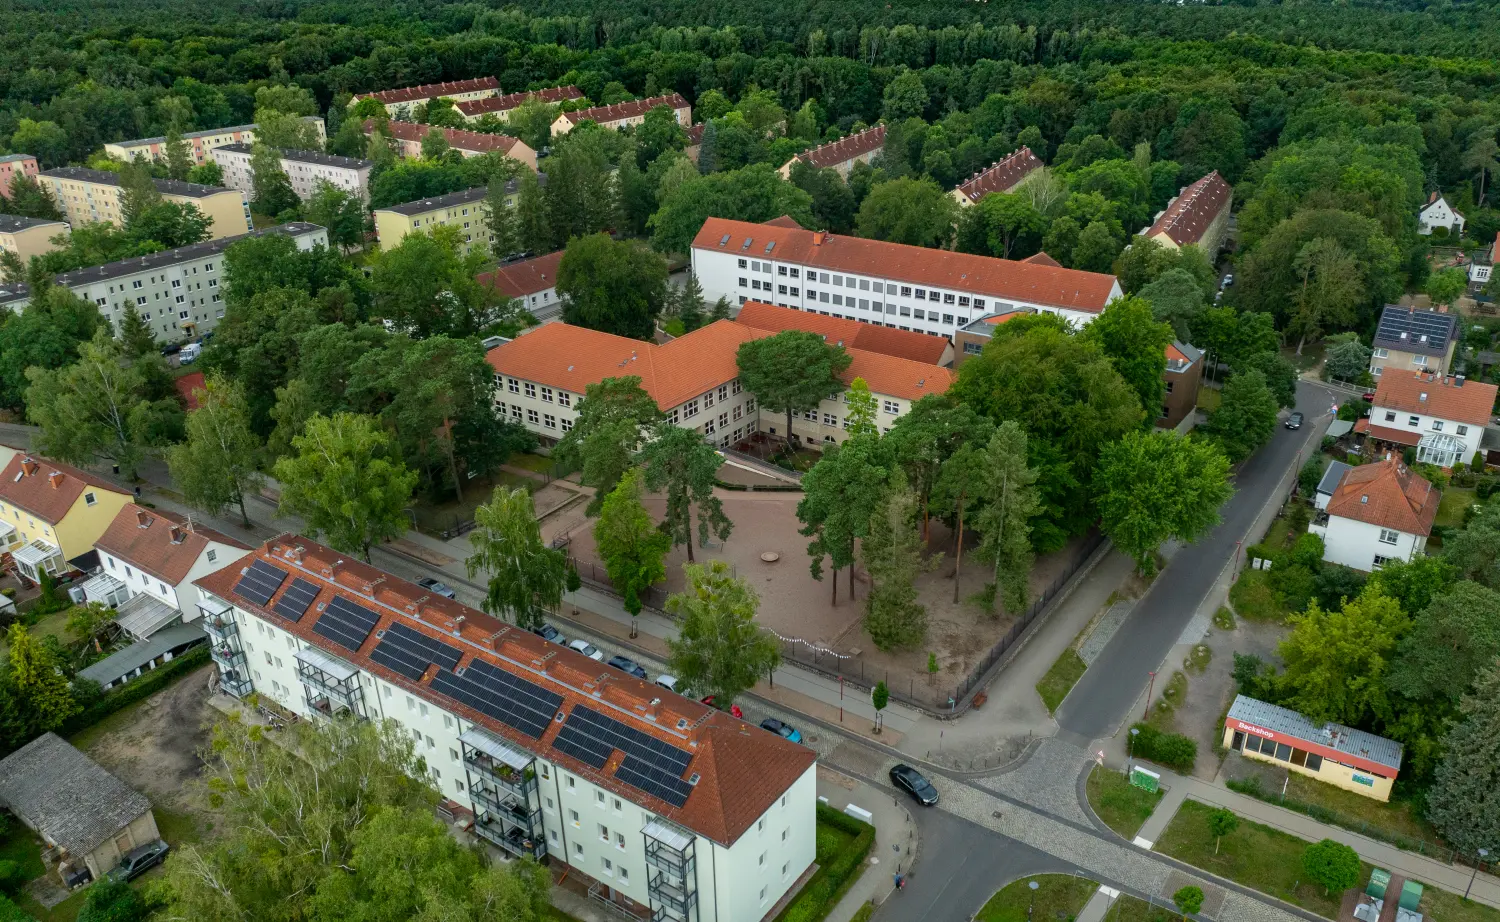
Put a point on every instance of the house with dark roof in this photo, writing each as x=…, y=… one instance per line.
x=51, y=514
x=1378, y=513
x=843, y=154
x=1198, y=216
x=1408, y=339
x=1332, y=753
x=624, y=114
x=408, y=138
x=85, y=196
x=305, y=168
x=1007, y=174
x=1443, y=417
x=664, y=805
x=90, y=817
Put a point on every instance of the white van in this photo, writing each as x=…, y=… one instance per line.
x=189, y=354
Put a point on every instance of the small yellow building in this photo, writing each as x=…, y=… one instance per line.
x=1332, y=753
x=51, y=514
x=86, y=195
x=28, y=237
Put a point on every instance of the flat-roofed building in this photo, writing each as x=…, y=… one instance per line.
x=1004, y=175
x=502, y=106
x=13, y=165
x=401, y=102
x=408, y=137
x=86, y=196
x=463, y=211
x=1198, y=216
x=176, y=291
x=624, y=114
x=906, y=287
x=305, y=168
x=1332, y=753
x=199, y=142
x=533, y=282
x=670, y=809
x=842, y=154
x=28, y=237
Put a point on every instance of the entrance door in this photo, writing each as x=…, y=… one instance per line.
x=1239, y=741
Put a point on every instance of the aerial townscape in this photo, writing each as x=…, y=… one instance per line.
x=664, y=461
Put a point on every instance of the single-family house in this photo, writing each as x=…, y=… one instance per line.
x=533, y=282
x=1413, y=340
x=1437, y=213
x=1482, y=269
x=1443, y=417
x=51, y=514
x=1379, y=512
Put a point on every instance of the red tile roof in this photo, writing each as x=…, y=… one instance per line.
x=1001, y=176
x=431, y=90
x=457, y=138
x=188, y=383
x=163, y=544
x=523, y=278
x=741, y=769
x=845, y=149
x=1189, y=215
x=1387, y=494
x=905, y=344
x=476, y=107
x=1433, y=395
x=1068, y=289
x=695, y=134
x=605, y=115
x=1042, y=259
x=785, y=220
x=571, y=358
x=1388, y=434
x=47, y=489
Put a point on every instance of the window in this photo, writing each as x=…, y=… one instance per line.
x=1390, y=417
x=743, y=264
x=620, y=841
x=948, y=318
x=567, y=424
x=839, y=300
x=891, y=407
x=784, y=866
x=973, y=348
x=760, y=826
x=1437, y=425
x=546, y=395
x=781, y=270
x=573, y=818
x=578, y=849
x=1381, y=353
x=609, y=866
x=793, y=292
x=708, y=399
x=830, y=420
x=1419, y=360
x=823, y=277
x=690, y=409
x=89, y=499
x=947, y=299
x=533, y=417
x=744, y=281
x=624, y=874
x=750, y=405
x=530, y=390
x=1462, y=430
x=761, y=862
x=549, y=421
x=1381, y=561
x=762, y=895
x=422, y=709
x=781, y=289
x=603, y=832
x=793, y=273
x=515, y=386
x=572, y=784
x=1387, y=536
x=599, y=799
x=785, y=832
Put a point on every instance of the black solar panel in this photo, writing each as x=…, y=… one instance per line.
x=515, y=702
x=260, y=582
x=410, y=652
x=650, y=764
x=1415, y=324
x=346, y=623
x=294, y=602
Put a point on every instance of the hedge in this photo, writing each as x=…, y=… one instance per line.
x=1170, y=749
x=831, y=881
x=136, y=690
x=764, y=488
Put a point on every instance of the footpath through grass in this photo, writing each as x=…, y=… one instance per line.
x=1257, y=856
x=1121, y=805
x=1058, y=897
x=1060, y=679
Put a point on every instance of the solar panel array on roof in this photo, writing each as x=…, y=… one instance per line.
x=410, y=652
x=346, y=623
x=293, y=603
x=260, y=582
x=1395, y=320
x=512, y=700
x=652, y=765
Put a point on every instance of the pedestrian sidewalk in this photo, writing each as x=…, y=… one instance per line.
x=1098, y=905
x=896, y=840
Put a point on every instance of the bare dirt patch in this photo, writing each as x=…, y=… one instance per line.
x=1200, y=715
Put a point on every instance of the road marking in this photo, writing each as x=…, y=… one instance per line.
x=1109, y=892
x=1143, y=843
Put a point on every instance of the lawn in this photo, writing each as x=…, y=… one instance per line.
x=1312, y=354
x=1121, y=805
x=23, y=847
x=1127, y=908
x=55, y=624
x=800, y=460
x=1442, y=906
x=435, y=517
x=1398, y=816
x=1059, y=680
x=1058, y=896
x=1257, y=856
x=1254, y=599
x=528, y=461
x=1451, y=507
x=1209, y=399
x=66, y=911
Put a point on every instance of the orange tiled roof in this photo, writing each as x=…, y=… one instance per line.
x=473, y=107
x=1388, y=434
x=47, y=489
x=527, y=277
x=1001, y=176
x=1042, y=259
x=571, y=358
x=1387, y=494
x=1069, y=289
x=918, y=347
x=1433, y=395
x=844, y=149
x=431, y=90
x=1193, y=210
x=605, y=115
x=163, y=544
x=741, y=769
x=457, y=138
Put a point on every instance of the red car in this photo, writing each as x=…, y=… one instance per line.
x=734, y=709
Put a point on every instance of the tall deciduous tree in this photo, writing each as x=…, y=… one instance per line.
x=1475, y=551
x=912, y=211
x=215, y=467
x=680, y=462
x=426, y=286
x=926, y=435
x=1136, y=345
x=1337, y=661
x=1001, y=224
x=533, y=231
x=138, y=192
x=956, y=491
x=526, y=577
x=39, y=680
x=613, y=286
x=719, y=650
x=1464, y=802
x=611, y=421
x=1245, y=418
x=791, y=372
x=1008, y=491
x=44, y=336
x=892, y=552
x=338, y=210
x=859, y=418
x=273, y=193
x=1451, y=642
x=345, y=482
x=1333, y=864
x=838, y=498
x=1330, y=287
x=1152, y=486
x=632, y=546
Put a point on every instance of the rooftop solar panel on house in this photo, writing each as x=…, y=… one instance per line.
x=512, y=700
x=346, y=623
x=652, y=765
x=294, y=602
x=260, y=582
x=410, y=652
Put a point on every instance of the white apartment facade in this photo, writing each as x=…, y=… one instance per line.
x=689, y=845
x=305, y=168
x=931, y=291
x=199, y=142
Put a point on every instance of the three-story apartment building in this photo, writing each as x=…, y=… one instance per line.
x=408, y=138
x=86, y=196
x=502, y=106
x=28, y=237
x=305, y=168
x=665, y=805
x=400, y=103
x=461, y=210
x=843, y=154
x=624, y=114
x=13, y=165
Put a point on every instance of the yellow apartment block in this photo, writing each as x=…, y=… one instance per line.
x=87, y=195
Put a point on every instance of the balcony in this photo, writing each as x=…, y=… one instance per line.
x=671, y=872
x=235, y=683
x=332, y=686
x=519, y=841
x=677, y=900
x=493, y=759
x=228, y=656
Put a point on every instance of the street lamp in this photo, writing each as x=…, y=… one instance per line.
x=1130, y=755
x=1483, y=854
x=1033, y=885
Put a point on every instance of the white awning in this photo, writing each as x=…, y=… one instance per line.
x=667, y=834
x=143, y=615
x=100, y=587
x=36, y=553
x=6, y=530
x=329, y=665
x=495, y=748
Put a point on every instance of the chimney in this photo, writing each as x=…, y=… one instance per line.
x=819, y=237
x=142, y=519
x=1458, y=380
x=55, y=479
x=29, y=467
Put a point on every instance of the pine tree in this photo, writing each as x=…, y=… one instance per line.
x=1008, y=489
x=690, y=300
x=501, y=219
x=135, y=334
x=892, y=553
x=721, y=309
x=708, y=148
x=179, y=154
x=1464, y=803
x=691, y=314
x=533, y=232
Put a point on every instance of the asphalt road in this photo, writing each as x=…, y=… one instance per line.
x=1097, y=705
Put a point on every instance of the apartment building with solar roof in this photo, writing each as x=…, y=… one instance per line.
x=670, y=809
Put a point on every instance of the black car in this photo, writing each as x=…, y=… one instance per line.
x=626, y=664
x=1294, y=421
x=138, y=861
x=433, y=586
x=912, y=782
x=548, y=632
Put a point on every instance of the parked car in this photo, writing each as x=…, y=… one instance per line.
x=734, y=709
x=587, y=649
x=432, y=585
x=548, y=632
x=914, y=783
x=785, y=731
x=669, y=682
x=626, y=664
x=1228, y=280
x=189, y=354
x=138, y=861
x=1294, y=421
